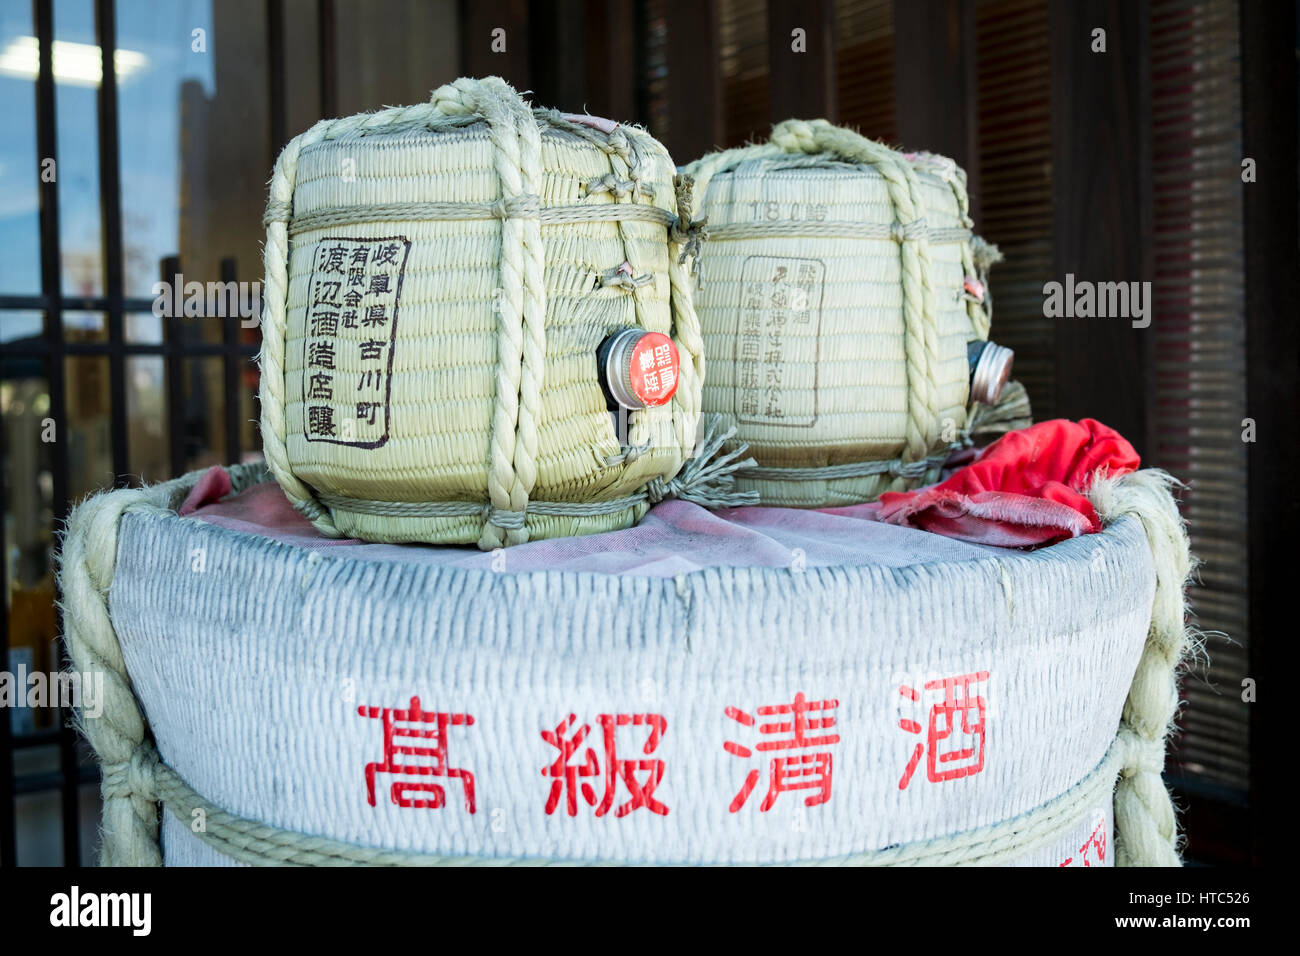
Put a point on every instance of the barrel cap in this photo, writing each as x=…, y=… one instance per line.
x=642, y=369
x=990, y=369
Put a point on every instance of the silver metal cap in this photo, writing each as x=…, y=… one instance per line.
x=618, y=366
x=990, y=369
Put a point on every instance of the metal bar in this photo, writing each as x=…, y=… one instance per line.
x=53, y=780
x=801, y=80
x=38, y=348
x=231, y=369
x=30, y=303
x=110, y=195
x=174, y=336
x=51, y=287
x=37, y=738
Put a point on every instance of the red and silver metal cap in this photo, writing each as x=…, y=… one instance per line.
x=641, y=368
x=990, y=367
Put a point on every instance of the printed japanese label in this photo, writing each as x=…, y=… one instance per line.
x=953, y=745
x=654, y=369
x=780, y=324
x=351, y=330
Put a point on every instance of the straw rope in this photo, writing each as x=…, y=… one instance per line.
x=521, y=332
x=514, y=207
x=135, y=780
x=1149, y=836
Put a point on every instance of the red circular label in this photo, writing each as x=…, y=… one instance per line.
x=654, y=369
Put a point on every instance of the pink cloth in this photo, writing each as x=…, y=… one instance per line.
x=675, y=537
x=213, y=485
x=1027, y=489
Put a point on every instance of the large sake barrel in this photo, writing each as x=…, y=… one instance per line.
x=439, y=280
x=842, y=299
x=746, y=686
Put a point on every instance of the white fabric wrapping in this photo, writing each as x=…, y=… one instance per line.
x=251, y=658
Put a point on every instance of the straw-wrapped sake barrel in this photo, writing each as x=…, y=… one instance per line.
x=843, y=298
x=439, y=279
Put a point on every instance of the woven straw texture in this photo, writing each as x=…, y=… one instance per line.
x=833, y=310
x=439, y=278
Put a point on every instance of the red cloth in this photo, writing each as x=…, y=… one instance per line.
x=213, y=485
x=1027, y=489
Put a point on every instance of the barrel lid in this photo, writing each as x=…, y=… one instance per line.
x=990, y=372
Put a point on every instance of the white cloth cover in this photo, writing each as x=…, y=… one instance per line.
x=257, y=664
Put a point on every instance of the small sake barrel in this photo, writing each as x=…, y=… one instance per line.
x=439, y=279
x=840, y=287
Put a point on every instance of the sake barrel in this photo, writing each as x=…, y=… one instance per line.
x=840, y=289
x=439, y=279
x=747, y=686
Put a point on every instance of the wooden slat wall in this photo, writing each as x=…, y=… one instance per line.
x=395, y=53
x=1101, y=206
x=864, y=67
x=1200, y=360
x=1013, y=119
x=802, y=83
x=693, y=82
x=935, y=82
x=743, y=37
x=478, y=18
x=612, y=45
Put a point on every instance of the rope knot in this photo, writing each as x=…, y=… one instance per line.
x=1141, y=754
x=504, y=518
x=708, y=478
x=526, y=206
x=657, y=489
x=906, y=232
x=687, y=232
x=796, y=136
x=622, y=277
x=618, y=142
x=277, y=210
x=134, y=778
x=911, y=469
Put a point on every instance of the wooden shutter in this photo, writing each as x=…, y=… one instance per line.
x=1200, y=388
x=864, y=67
x=742, y=27
x=1015, y=176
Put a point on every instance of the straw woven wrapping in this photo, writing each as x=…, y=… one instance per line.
x=513, y=218
x=871, y=365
